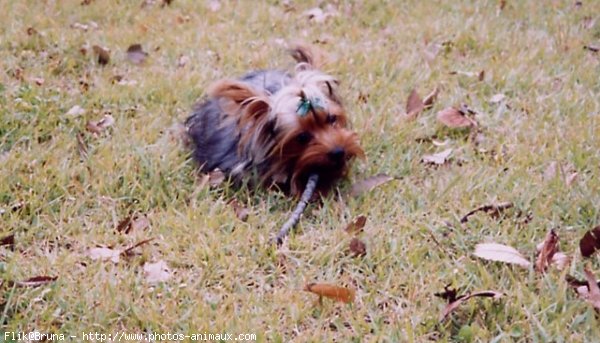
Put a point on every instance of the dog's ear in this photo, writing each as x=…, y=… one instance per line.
x=236, y=91
x=307, y=56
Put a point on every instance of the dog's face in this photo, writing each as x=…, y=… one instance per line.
x=300, y=130
x=314, y=135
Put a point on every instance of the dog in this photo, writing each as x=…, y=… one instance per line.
x=276, y=127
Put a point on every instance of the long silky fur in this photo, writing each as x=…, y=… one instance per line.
x=250, y=125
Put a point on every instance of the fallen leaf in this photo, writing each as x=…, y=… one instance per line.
x=216, y=177
x=157, y=272
x=357, y=247
x=592, y=48
x=580, y=286
x=593, y=296
x=546, y=254
x=481, y=75
x=182, y=61
x=455, y=301
x=102, y=53
x=561, y=260
x=500, y=253
x=104, y=254
x=36, y=281
x=133, y=223
x=80, y=26
x=369, y=184
x=214, y=5
x=38, y=81
x=431, y=97
x=455, y=118
x=8, y=240
x=414, y=105
x=331, y=291
x=136, y=54
x=440, y=143
x=569, y=179
x=439, y=158
x=101, y=125
x=356, y=225
x=494, y=210
x=550, y=171
x=497, y=98
x=76, y=111
x=317, y=15
x=240, y=211
x=590, y=242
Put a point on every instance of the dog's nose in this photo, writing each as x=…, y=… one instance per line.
x=337, y=154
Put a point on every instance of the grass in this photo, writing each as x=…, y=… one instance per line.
x=225, y=276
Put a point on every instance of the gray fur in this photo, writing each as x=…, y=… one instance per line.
x=216, y=143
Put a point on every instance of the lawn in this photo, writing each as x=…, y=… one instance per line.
x=529, y=70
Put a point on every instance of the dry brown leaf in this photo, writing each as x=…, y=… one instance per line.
x=75, y=111
x=182, y=61
x=414, y=105
x=38, y=81
x=104, y=254
x=569, y=179
x=318, y=15
x=337, y=293
x=157, y=272
x=36, y=281
x=129, y=251
x=102, y=53
x=590, y=242
x=101, y=125
x=455, y=118
x=216, y=177
x=356, y=225
x=357, y=247
x=592, y=48
x=500, y=253
x=369, y=184
x=430, y=99
x=580, y=286
x=561, y=260
x=494, y=210
x=455, y=301
x=439, y=158
x=497, y=98
x=546, y=254
x=481, y=75
x=8, y=240
x=550, y=171
x=140, y=222
x=214, y=5
x=240, y=211
x=136, y=54
x=133, y=223
x=593, y=296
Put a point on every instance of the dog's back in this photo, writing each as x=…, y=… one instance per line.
x=216, y=139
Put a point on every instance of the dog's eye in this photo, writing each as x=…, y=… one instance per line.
x=304, y=138
x=330, y=118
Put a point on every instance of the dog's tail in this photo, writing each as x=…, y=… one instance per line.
x=307, y=56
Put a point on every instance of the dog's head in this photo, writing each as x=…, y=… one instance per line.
x=300, y=130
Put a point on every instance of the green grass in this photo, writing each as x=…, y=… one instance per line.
x=226, y=278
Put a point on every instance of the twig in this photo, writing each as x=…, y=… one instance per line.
x=311, y=184
x=128, y=250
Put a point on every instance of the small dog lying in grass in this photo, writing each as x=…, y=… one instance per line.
x=280, y=126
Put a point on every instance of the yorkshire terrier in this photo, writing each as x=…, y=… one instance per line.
x=279, y=126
